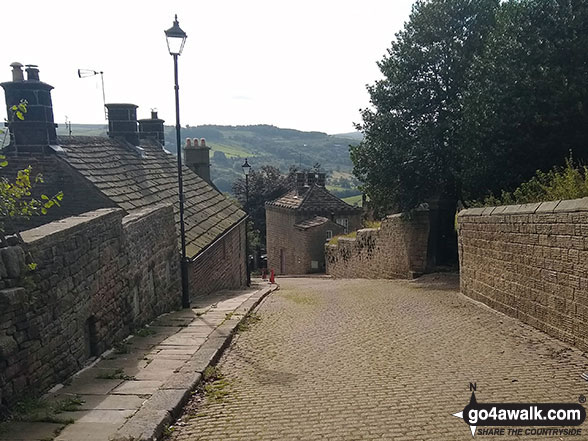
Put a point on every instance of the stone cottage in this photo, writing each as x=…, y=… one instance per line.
x=301, y=221
x=129, y=170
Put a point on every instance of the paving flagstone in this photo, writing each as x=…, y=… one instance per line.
x=134, y=389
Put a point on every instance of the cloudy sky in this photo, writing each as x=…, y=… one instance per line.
x=300, y=64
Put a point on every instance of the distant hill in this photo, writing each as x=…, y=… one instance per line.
x=356, y=136
x=263, y=145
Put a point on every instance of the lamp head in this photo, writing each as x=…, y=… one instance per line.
x=176, y=38
x=246, y=167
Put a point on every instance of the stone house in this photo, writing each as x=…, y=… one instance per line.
x=301, y=221
x=130, y=170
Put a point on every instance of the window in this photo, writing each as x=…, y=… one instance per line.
x=329, y=234
x=344, y=222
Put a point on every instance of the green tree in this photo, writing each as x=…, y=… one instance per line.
x=16, y=196
x=409, y=153
x=526, y=104
x=265, y=184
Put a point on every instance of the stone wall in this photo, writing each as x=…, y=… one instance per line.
x=79, y=195
x=99, y=276
x=310, y=246
x=530, y=262
x=398, y=249
x=220, y=266
x=298, y=248
x=279, y=231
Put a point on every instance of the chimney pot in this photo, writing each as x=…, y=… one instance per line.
x=32, y=72
x=37, y=131
x=198, y=159
x=152, y=128
x=17, y=74
x=188, y=143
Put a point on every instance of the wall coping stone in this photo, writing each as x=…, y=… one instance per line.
x=561, y=206
x=529, y=208
x=35, y=234
x=572, y=205
x=136, y=215
x=547, y=207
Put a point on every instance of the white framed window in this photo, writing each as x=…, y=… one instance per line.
x=329, y=234
x=344, y=222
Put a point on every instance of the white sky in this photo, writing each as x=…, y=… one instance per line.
x=295, y=64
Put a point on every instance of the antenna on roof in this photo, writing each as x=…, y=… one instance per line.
x=68, y=124
x=85, y=73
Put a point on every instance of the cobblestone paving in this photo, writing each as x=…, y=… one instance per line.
x=365, y=359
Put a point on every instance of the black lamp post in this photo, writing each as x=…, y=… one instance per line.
x=246, y=170
x=175, y=43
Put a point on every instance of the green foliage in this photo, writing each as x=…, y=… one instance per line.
x=567, y=182
x=353, y=200
x=265, y=184
x=409, y=153
x=116, y=374
x=372, y=224
x=476, y=96
x=335, y=239
x=16, y=198
x=526, y=102
x=145, y=332
x=249, y=320
x=215, y=384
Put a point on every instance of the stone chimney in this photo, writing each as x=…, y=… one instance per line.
x=321, y=179
x=197, y=158
x=152, y=128
x=37, y=131
x=122, y=122
x=300, y=182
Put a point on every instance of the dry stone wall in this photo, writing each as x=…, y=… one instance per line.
x=530, y=262
x=98, y=277
x=398, y=249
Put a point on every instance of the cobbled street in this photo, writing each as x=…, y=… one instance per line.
x=377, y=359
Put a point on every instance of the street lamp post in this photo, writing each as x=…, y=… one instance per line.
x=246, y=170
x=176, y=38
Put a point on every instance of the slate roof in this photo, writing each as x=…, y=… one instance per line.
x=314, y=199
x=134, y=179
x=312, y=222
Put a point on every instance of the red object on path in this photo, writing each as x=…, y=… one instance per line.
x=272, y=277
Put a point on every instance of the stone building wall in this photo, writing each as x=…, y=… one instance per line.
x=98, y=277
x=309, y=245
x=398, y=249
x=221, y=266
x=79, y=195
x=279, y=233
x=530, y=262
x=299, y=248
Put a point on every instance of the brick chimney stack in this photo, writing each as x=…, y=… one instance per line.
x=37, y=131
x=197, y=158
